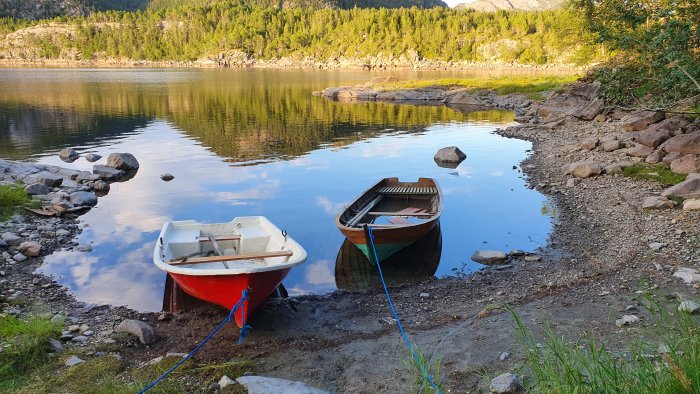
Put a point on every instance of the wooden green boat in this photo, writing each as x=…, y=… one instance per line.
x=399, y=213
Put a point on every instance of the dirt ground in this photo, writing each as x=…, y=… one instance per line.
x=596, y=264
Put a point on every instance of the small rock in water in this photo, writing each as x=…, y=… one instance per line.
x=627, y=320
x=489, y=256
x=68, y=155
x=167, y=177
x=688, y=307
x=73, y=360
x=122, y=161
x=83, y=198
x=92, y=157
x=85, y=248
x=504, y=356
x=507, y=383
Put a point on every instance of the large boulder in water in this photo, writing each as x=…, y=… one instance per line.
x=450, y=154
x=122, y=161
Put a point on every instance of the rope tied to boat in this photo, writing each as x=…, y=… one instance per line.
x=244, y=330
x=396, y=316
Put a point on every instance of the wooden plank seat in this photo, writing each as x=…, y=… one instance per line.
x=220, y=238
x=406, y=190
x=232, y=257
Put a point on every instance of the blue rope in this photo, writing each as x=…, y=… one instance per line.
x=244, y=331
x=396, y=316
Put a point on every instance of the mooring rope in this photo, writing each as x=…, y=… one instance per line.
x=244, y=331
x=396, y=316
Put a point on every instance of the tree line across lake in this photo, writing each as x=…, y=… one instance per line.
x=191, y=32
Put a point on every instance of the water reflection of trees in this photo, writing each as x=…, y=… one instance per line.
x=238, y=119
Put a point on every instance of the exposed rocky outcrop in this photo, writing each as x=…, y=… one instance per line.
x=527, y=5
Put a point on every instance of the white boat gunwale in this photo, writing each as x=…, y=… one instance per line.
x=298, y=256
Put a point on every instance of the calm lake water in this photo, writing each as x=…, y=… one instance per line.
x=256, y=142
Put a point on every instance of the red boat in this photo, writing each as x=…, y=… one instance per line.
x=217, y=262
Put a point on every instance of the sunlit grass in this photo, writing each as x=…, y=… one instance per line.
x=654, y=172
x=502, y=85
x=11, y=197
x=588, y=366
x=25, y=344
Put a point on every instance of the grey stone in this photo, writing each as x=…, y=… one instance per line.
x=627, y=320
x=11, y=238
x=584, y=89
x=85, y=248
x=641, y=120
x=691, y=205
x=136, y=327
x=56, y=345
x=79, y=199
x=30, y=248
x=532, y=258
x=122, y=161
x=504, y=356
x=264, y=385
x=613, y=169
x=61, y=232
x=92, y=157
x=226, y=381
x=657, y=245
x=167, y=177
x=3, y=244
x=589, y=143
x=688, y=307
x=591, y=110
x=107, y=173
x=73, y=360
x=37, y=189
x=610, y=146
x=101, y=186
x=68, y=154
x=687, y=164
x=585, y=169
x=506, y=383
x=79, y=339
x=58, y=319
x=688, y=189
x=450, y=154
x=19, y=257
x=657, y=202
x=45, y=178
x=89, y=333
x=670, y=157
x=688, y=275
x=489, y=256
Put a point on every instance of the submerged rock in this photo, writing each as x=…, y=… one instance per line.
x=264, y=385
x=489, y=256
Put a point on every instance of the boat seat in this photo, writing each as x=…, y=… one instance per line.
x=406, y=190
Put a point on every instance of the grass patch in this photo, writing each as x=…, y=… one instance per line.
x=586, y=366
x=529, y=85
x=11, y=197
x=25, y=346
x=431, y=365
x=108, y=374
x=654, y=172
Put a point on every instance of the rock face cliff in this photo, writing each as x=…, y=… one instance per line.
x=37, y=9
x=527, y=5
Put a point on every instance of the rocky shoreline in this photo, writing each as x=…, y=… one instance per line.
x=608, y=244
